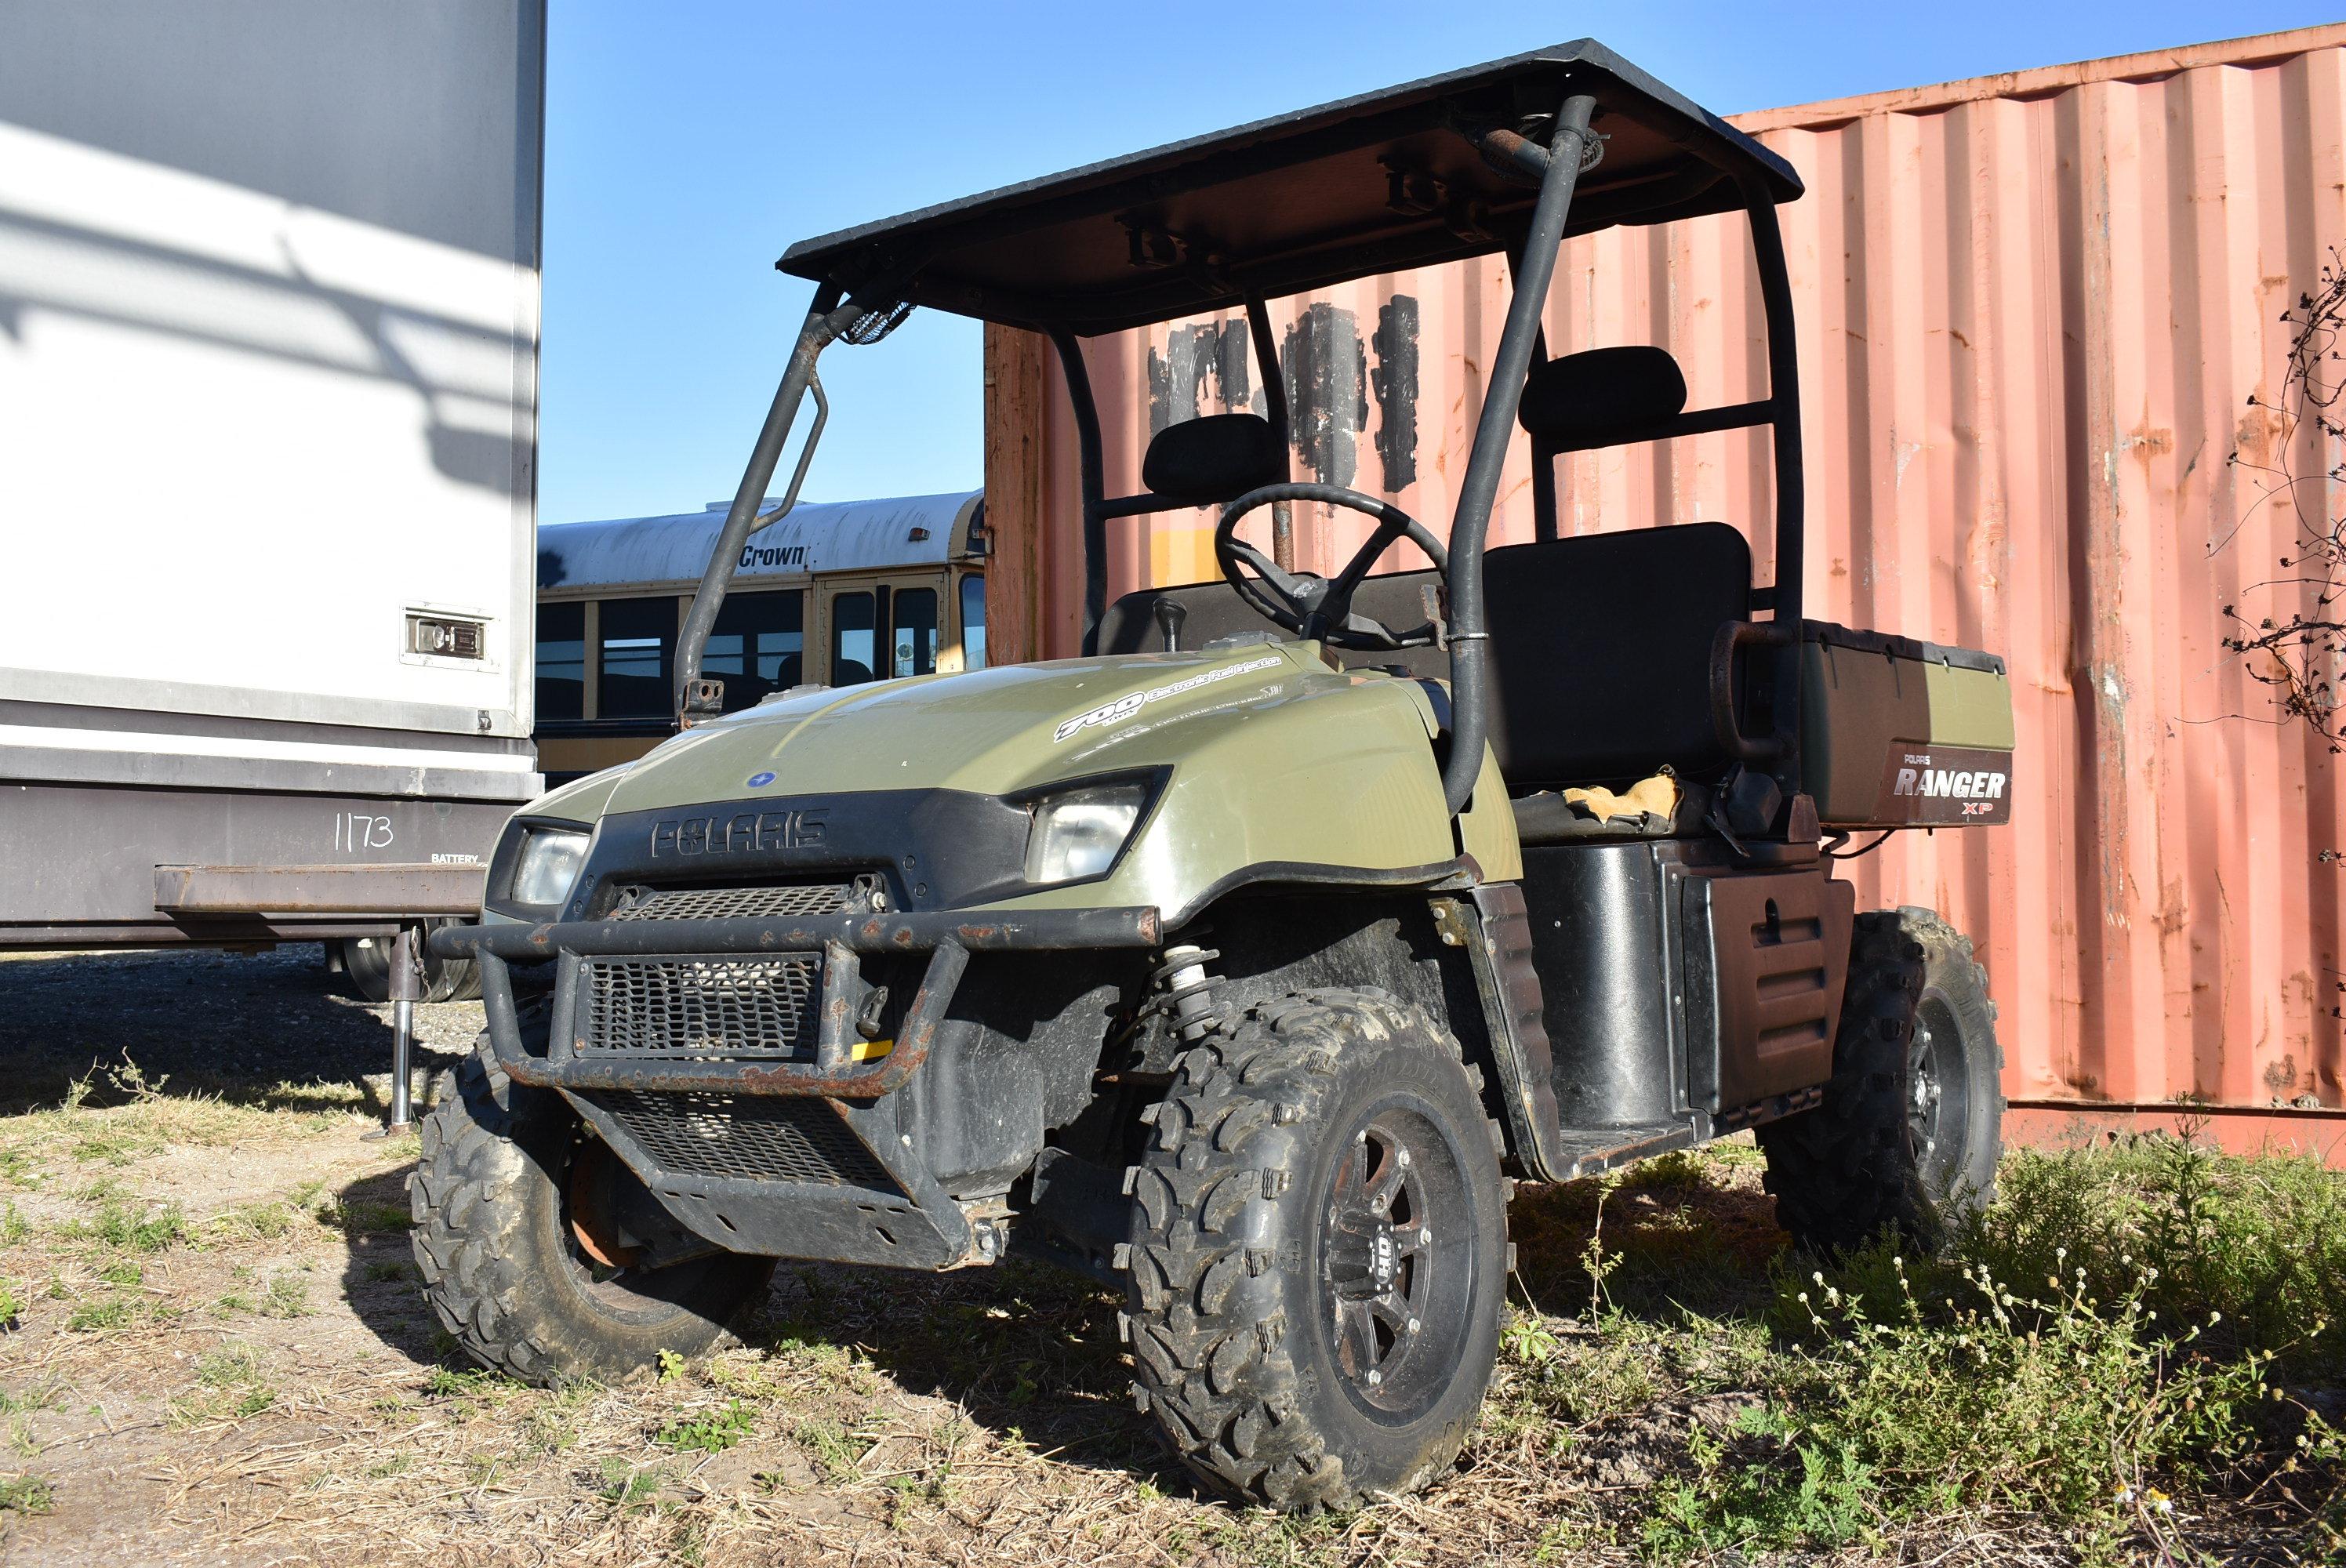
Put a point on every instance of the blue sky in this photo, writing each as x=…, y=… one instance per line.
x=688, y=143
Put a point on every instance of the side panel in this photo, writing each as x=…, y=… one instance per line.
x=269, y=325
x=77, y=861
x=1767, y=956
x=269, y=282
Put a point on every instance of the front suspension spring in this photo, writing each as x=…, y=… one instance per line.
x=1188, y=989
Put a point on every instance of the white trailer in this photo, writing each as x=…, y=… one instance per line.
x=269, y=327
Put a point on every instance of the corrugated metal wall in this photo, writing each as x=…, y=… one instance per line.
x=2033, y=310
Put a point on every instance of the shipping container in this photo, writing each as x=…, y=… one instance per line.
x=269, y=325
x=2034, y=310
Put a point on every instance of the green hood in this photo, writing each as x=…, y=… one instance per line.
x=1272, y=756
x=993, y=731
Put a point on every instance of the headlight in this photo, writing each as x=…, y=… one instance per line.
x=1079, y=834
x=547, y=866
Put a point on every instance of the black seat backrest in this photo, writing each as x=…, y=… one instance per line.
x=1598, y=396
x=1600, y=650
x=1600, y=645
x=1216, y=458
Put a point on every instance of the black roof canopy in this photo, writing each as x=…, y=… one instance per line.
x=1365, y=185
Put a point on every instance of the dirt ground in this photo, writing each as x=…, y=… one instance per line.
x=219, y=1354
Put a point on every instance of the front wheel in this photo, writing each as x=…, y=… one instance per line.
x=1912, y=1126
x=1318, y=1254
x=511, y=1197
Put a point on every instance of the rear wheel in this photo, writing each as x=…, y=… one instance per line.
x=366, y=969
x=512, y=1198
x=1912, y=1124
x=1318, y=1262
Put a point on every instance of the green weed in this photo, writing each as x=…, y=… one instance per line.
x=447, y=1383
x=712, y=1431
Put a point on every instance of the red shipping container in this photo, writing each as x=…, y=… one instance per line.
x=2033, y=312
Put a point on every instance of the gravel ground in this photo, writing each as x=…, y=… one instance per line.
x=233, y=1023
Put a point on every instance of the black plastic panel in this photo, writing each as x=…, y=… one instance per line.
x=1601, y=940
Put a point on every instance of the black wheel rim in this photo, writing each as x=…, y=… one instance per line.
x=1938, y=1110
x=1396, y=1262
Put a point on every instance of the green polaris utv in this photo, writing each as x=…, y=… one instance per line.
x=1242, y=962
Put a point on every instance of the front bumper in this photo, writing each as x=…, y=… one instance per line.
x=948, y=937
x=809, y=1157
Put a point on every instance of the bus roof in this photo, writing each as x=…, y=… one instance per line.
x=817, y=536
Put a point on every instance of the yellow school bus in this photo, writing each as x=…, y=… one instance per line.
x=833, y=594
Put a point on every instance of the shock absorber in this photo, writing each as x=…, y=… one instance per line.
x=1187, y=989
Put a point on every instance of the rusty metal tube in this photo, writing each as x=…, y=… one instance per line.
x=1040, y=931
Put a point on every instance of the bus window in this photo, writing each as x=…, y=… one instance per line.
x=767, y=628
x=639, y=646
x=561, y=660
x=850, y=639
x=915, y=633
x=972, y=622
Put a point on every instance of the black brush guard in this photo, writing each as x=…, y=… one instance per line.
x=815, y=1194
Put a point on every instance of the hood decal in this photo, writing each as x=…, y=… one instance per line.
x=1126, y=706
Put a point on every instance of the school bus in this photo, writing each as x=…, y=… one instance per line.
x=832, y=594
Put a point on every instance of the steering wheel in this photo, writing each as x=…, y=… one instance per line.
x=1305, y=603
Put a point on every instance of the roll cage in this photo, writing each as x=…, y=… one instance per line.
x=1511, y=156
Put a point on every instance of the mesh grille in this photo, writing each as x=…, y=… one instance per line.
x=702, y=1007
x=727, y=903
x=760, y=1137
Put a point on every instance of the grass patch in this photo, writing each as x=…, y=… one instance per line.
x=100, y=1317
x=287, y=1297
x=268, y=1219
x=132, y=1227
x=26, y=1495
x=364, y=1218
x=46, y=1394
x=627, y=1485
x=827, y=1445
x=2125, y=1323
x=230, y=1385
